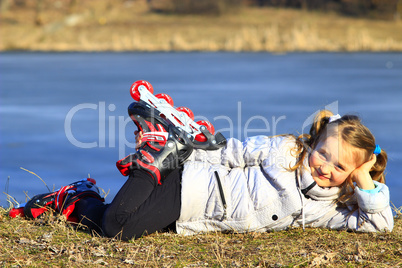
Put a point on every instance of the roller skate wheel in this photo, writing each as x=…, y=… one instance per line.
x=187, y=111
x=135, y=94
x=203, y=123
x=165, y=97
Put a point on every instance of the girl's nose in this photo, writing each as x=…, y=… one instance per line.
x=325, y=168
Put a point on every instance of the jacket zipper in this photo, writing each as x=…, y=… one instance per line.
x=222, y=195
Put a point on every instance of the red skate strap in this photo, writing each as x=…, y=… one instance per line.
x=70, y=206
x=161, y=128
x=60, y=197
x=159, y=136
x=123, y=168
x=36, y=212
x=147, y=156
x=124, y=164
x=155, y=138
x=91, y=180
x=150, y=126
x=15, y=212
x=140, y=127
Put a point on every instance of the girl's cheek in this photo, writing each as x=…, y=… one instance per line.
x=311, y=161
x=342, y=179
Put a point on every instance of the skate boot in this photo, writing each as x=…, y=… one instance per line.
x=154, y=113
x=61, y=201
x=159, y=154
x=147, y=118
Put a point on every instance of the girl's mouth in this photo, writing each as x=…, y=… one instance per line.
x=321, y=176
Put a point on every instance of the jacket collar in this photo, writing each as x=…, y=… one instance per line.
x=310, y=189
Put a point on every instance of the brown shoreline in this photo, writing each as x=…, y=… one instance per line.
x=134, y=28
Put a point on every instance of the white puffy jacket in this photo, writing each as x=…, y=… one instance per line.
x=247, y=187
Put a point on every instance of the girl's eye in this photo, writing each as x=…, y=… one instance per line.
x=322, y=156
x=340, y=168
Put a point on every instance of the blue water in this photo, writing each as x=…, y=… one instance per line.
x=64, y=115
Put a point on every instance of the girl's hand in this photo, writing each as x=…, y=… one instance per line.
x=138, y=138
x=362, y=176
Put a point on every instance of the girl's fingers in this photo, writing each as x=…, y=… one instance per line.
x=138, y=138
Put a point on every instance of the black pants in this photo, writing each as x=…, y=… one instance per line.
x=142, y=206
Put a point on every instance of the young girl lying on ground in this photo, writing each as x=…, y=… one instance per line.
x=330, y=178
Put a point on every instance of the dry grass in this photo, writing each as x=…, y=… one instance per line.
x=130, y=26
x=50, y=242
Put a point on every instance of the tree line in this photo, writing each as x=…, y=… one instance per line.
x=376, y=9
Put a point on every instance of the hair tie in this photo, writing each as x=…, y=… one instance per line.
x=377, y=150
x=334, y=118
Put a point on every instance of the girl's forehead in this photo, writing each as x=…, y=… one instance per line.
x=331, y=145
x=340, y=151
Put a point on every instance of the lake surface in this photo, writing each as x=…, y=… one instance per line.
x=64, y=115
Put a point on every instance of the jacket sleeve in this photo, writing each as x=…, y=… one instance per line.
x=370, y=213
x=232, y=154
x=256, y=150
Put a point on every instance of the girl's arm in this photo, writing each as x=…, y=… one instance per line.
x=374, y=212
x=370, y=212
x=361, y=175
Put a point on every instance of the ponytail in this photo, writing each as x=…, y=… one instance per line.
x=320, y=123
x=306, y=141
x=377, y=172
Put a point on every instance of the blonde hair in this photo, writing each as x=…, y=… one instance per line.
x=353, y=132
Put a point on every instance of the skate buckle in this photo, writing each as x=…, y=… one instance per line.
x=147, y=156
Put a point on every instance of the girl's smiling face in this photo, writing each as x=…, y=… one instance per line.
x=332, y=161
